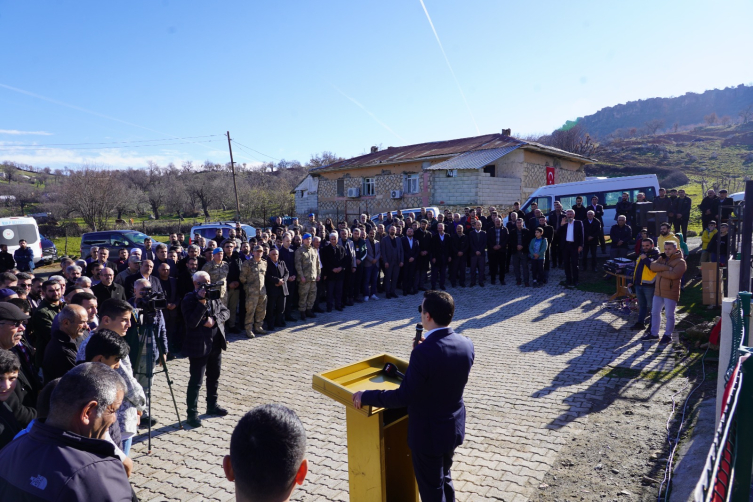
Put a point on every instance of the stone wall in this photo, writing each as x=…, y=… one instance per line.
x=473, y=187
x=306, y=204
x=332, y=206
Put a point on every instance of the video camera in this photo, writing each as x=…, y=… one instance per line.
x=213, y=290
x=151, y=301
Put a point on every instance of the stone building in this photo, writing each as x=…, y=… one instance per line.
x=495, y=169
x=306, y=195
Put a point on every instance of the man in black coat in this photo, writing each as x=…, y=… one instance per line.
x=459, y=252
x=593, y=234
x=145, y=272
x=236, y=294
x=683, y=204
x=598, y=210
x=411, y=253
x=6, y=259
x=334, y=262
x=203, y=344
x=23, y=400
x=276, y=282
x=548, y=234
x=571, y=237
x=441, y=250
x=496, y=245
x=106, y=288
x=554, y=219
x=423, y=236
x=432, y=390
x=60, y=353
x=517, y=245
x=477, y=250
x=580, y=209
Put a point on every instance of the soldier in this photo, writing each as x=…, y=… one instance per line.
x=309, y=270
x=253, y=272
x=218, y=270
x=311, y=224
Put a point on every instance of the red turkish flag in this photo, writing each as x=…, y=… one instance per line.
x=549, y=175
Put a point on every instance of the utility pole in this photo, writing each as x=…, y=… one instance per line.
x=235, y=185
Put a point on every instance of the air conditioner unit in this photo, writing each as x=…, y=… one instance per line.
x=354, y=192
x=396, y=194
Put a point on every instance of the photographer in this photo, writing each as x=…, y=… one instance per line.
x=148, y=315
x=204, y=342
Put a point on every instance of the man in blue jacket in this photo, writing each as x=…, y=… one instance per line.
x=65, y=457
x=432, y=390
x=24, y=257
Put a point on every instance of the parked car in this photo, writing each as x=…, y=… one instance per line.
x=15, y=228
x=414, y=212
x=114, y=240
x=209, y=230
x=49, y=251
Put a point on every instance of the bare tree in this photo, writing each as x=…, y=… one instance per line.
x=574, y=140
x=725, y=120
x=10, y=171
x=323, y=159
x=207, y=188
x=710, y=119
x=654, y=125
x=746, y=114
x=89, y=192
x=675, y=126
x=25, y=196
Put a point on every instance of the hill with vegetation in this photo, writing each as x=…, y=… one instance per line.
x=717, y=106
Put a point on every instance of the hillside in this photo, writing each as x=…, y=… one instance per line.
x=718, y=157
x=687, y=110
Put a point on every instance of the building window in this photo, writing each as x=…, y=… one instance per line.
x=491, y=170
x=410, y=183
x=341, y=188
x=369, y=186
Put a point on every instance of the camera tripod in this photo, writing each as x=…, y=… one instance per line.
x=146, y=340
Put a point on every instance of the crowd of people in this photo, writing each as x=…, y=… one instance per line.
x=74, y=358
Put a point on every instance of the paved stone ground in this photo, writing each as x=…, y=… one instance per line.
x=530, y=390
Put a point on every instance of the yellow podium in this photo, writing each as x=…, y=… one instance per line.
x=380, y=468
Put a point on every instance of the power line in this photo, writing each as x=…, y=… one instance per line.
x=121, y=142
x=257, y=151
x=32, y=148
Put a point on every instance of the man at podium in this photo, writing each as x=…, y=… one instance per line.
x=432, y=390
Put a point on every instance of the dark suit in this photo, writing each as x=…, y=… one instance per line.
x=432, y=390
x=457, y=265
x=497, y=256
x=276, y=295
x=103, y=292
x=334, y=257
x=570, y=249
x=554, y=220
x=203, y=346
x=409, y=268
x=59, y=356
x=131, y=280
x=476, y=245
x=392, y=254
x=520, y=256
x=598, y=210
x=23, y=400
x=593, y=234
x=424, y=245
x=441, y=249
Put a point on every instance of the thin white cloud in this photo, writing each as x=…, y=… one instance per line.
x=114, y=158
x=16, y=132
x=370, y=114
x=447, y=60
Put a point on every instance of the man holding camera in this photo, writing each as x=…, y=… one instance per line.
x=432, y=390
x=204, y=342
x=145, y=302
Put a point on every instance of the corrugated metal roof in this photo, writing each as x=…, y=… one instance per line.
x=474, y=160
x=440, y=149
x=422, y=151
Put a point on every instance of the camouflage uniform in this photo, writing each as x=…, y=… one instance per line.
x=218, y=273
x=307, y=265
x=310, y=227
x=252, y=278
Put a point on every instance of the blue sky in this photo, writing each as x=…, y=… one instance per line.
x=292, y=78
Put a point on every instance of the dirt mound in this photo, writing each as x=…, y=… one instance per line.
x=743, y=139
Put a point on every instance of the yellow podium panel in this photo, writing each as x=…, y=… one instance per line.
x=380, y=468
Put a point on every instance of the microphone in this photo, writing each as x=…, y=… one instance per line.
x=419, y=331
x=392, y=371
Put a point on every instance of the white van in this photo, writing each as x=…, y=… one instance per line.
x=609, y=191
x=15, y=228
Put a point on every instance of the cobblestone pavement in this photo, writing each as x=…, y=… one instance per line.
x=530, y=390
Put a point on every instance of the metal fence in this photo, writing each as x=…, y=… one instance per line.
x=727, y=474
